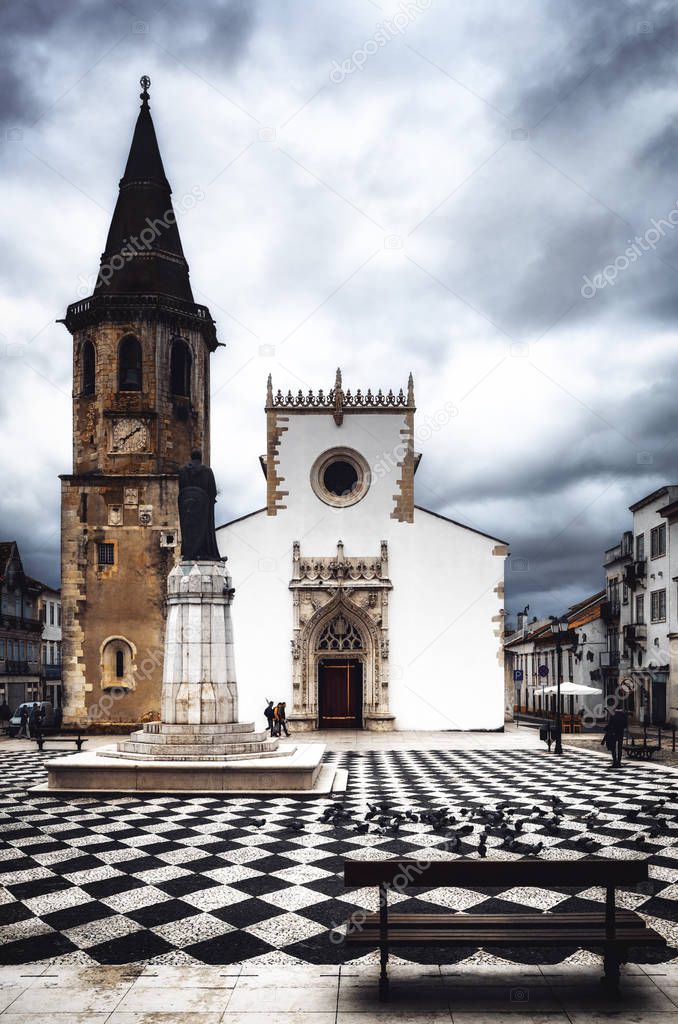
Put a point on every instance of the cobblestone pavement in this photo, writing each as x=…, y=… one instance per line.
x=196, y=880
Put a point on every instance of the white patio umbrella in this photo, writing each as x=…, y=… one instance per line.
x=569, y=689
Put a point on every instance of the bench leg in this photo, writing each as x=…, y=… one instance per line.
x=383, y=978
x=383, y=941
x=611, y=967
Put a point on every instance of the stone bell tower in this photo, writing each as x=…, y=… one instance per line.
x=141, y=350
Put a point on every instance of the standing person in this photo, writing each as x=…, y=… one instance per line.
x=268, y=713
x=282, y=719
x=5, y=715
x=34, y=719
x=613, y=737
x=24, y=727
x=276, y=721
x=58, y=717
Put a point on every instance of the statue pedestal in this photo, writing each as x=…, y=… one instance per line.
x=199, y=686
x=199, y=746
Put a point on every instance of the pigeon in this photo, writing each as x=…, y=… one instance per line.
x=258, y=822
x=536, y=848
x=362, y=828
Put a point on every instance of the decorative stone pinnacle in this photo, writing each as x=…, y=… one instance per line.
x=338, y=399
x=269, y=390
x=144, y=82
x=410, y=390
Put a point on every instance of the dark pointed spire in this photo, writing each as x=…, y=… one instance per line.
x=143, y=251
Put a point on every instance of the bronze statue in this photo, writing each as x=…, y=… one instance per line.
x=197, y=495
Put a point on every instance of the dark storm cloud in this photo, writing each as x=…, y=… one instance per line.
x=501, y=260
x=30, y=29
x=612, y=50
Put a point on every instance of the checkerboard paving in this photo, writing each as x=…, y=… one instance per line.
x=101, y=879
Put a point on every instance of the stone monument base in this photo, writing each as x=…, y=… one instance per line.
x=296, y=769
x=210, y=742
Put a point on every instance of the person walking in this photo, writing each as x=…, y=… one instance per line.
x=613, y=737
x=58, y=717
x=282, y=719
x=5, y=715
x=24, y=727
x=269, y=715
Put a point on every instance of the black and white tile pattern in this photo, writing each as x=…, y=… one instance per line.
x=197, y=879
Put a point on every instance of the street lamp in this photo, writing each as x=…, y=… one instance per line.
x=559, y=628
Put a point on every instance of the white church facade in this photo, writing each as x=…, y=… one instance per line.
x=353, y=604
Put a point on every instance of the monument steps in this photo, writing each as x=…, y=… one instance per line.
x=221, y=758
x=195, y=751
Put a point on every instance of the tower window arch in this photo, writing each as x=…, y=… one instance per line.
x=180, y=369
x=87, y=368
x=129, y=365
x=117, y=655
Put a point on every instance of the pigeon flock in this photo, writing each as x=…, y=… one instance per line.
x=518, y=830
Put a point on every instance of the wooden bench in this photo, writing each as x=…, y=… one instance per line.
x=43, y=738
x=608, y=930
x=643, y=751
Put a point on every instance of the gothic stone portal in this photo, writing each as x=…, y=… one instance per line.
x=340, y=641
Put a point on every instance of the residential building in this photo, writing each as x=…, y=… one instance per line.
x=50, y=647
x=20, y=629
x=649, y=623
x=534, y=663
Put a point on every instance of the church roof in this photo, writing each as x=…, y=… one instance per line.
x=143, y=236
x=464, y=526
x=7, y=548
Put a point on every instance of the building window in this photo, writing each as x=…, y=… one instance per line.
x=180, y=369
x=88, y=368
x=106, y=554
x=129, y=365
x=340, y=635
x=51, y=613
x=658, y=541
x=2, y=650
x=58, y=614
x=625, y=593
x=640, y=547
x=658, y=605
x=340, y=477
x=640, y=608
x=117, y=664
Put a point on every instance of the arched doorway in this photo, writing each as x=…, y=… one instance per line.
x=340, y=655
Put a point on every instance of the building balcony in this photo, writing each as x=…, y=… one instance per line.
x=18, y=668
x=621, y=551
x=20, y=623
x=635, y=633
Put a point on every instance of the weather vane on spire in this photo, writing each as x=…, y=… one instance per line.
x=144, y=82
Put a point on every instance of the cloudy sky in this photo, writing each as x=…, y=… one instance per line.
x=428, y=186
